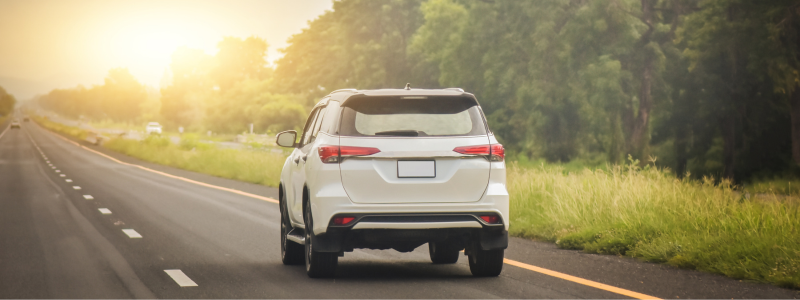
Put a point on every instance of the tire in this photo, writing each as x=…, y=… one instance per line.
x=486, y=263
x=442, y=253
x=318, y=264
x=291, y=253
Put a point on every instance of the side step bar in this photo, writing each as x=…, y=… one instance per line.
x=297, y=235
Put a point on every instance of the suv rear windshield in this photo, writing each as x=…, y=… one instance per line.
x=394, y=116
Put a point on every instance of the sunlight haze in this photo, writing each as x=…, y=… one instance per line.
x=60, y=44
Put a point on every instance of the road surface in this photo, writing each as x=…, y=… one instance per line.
x=78, y=224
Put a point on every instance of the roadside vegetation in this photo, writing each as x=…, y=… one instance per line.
x=256, y=166
x=652, y=215
x=259, y=167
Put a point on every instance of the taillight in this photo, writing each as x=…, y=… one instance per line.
x=328, y=154
x=491, y=219
x=333, y=154
x=498, y=153
x=495, y=152
x=342, y=220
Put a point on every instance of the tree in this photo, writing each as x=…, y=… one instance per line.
x=7, y=102
x=359, y=44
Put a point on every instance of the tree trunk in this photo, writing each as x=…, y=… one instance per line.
x=636, y=141
x=636, y=144
x=794, y=101
x=729, y=146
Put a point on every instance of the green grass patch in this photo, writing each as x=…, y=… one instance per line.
x=651, y=215
x=782, y=186
x=61, y=128
x=251, y=166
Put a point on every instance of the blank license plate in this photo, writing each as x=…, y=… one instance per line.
x=416, y=169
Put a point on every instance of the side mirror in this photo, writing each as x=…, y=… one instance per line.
x=286, y=138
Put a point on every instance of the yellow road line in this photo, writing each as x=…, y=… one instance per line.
x=582, y=281
x=515, y=263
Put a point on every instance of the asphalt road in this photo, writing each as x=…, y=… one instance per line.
x=56, y=243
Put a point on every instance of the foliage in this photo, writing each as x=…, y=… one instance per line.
x=649, y=214
x=60, y=128
x=250, y=166
x=119, y=98
x=359, y=44
x=7, y=102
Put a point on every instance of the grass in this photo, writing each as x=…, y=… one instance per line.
x=620, y=210
x=651, y=215
x=251, y=166
x=60, y=128
x=782, y=186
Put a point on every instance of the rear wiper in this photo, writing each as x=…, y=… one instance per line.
x=399, y=132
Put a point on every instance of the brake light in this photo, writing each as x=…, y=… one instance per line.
x=495, y=152
x=333, y=154
x=474, y=150
x=342, y=220
x=347, y=151
x=491, y=219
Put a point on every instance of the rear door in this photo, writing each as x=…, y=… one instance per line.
x=416, y=139
x=299, y=158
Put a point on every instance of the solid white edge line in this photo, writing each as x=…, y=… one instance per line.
x=104, y=211
x=132, y=233
x=180, y=278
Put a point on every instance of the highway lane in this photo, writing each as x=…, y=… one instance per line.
x=56, y=243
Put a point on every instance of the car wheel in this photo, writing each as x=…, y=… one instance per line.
x=485, y=263
x=318, y=264
x=291, y=253
x=442, y=253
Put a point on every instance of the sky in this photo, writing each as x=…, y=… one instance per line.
x=61, y=44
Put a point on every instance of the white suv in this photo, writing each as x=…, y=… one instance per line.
x=394, y=169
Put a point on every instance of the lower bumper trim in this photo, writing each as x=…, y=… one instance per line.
x=416, y=225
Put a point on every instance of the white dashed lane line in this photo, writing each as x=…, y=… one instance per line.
x=104, y=211
x=58, y=171
x=76, y=187
x=88, y=197
x=63, y=175
x=180, y=278
x=132, y=233
x=68, y=180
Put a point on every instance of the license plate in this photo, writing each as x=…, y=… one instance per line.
x=416, y=168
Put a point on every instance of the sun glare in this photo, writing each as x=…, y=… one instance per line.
x=145, y=43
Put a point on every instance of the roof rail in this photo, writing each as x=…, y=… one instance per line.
x=343, y=90
x=455, y=89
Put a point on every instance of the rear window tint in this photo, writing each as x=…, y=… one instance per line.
x=393, y=116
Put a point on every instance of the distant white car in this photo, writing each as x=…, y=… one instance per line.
x=15, y=124
x=153, y=128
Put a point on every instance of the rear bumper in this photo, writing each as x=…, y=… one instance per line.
x=406, y=232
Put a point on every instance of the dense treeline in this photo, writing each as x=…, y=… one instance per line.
x=706, y=87
x=120, y=97
x=7, y=102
